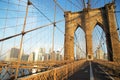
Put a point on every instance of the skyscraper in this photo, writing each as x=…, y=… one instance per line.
x=13, y=55
x=100, y=54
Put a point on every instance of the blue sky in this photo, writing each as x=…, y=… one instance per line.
x=12, y=13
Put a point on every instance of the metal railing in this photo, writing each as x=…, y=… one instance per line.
x=59, y=73
x=114, y=66
x=8, y=68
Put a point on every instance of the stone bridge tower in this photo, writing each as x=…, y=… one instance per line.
x=87, y=20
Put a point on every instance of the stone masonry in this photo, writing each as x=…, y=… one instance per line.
x=87, y=20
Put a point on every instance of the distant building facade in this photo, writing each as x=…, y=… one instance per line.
x=99, y=54
x=13, y=55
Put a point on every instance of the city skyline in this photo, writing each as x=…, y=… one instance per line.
x=59, y=39
x=37, y=55
x=43, y=36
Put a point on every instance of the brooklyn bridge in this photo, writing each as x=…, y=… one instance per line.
x=59, y=40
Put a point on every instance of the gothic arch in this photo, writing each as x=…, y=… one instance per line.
x=87, y=19
x=80, y=46
x=79, y=26
x=99, y=34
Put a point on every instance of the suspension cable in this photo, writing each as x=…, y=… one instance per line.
x=73, y=4
x=59, y=5
x=6, y=38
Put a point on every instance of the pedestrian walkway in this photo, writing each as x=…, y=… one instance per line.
x=93, y=71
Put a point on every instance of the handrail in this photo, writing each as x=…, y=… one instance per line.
x=109, y=64
x=59, y=73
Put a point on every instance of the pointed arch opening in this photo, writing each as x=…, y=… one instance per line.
x=79, y=44
x=99, y=43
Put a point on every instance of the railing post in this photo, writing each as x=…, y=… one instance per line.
x=55, y=74
x=72, y=69
x=66, y=72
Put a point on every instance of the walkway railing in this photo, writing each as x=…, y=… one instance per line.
x=114, y=66
x=60, y=73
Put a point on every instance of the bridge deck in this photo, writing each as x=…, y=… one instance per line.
x=76, y=70
x=98, y=71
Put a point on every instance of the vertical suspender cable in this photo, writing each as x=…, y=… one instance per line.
x=21, y=42
x=118, y=27
x=54, y=25
x=84, y=3
x=4, y=30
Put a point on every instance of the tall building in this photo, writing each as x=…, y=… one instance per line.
x=52, y=56
x=59, y=56
x=99, y=54
x=46, y=57
x=31, y=57
x=25, y=57
x=13, y=55
x=77, y=53
x=105, y=56
x=39, y=54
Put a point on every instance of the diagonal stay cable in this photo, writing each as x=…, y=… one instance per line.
x=79, y=2
x=78, y=43
x=73, y=4
x=59, y=5
x=41, y=13
x=54, y=23
x=6, y=38
x=39, y=28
